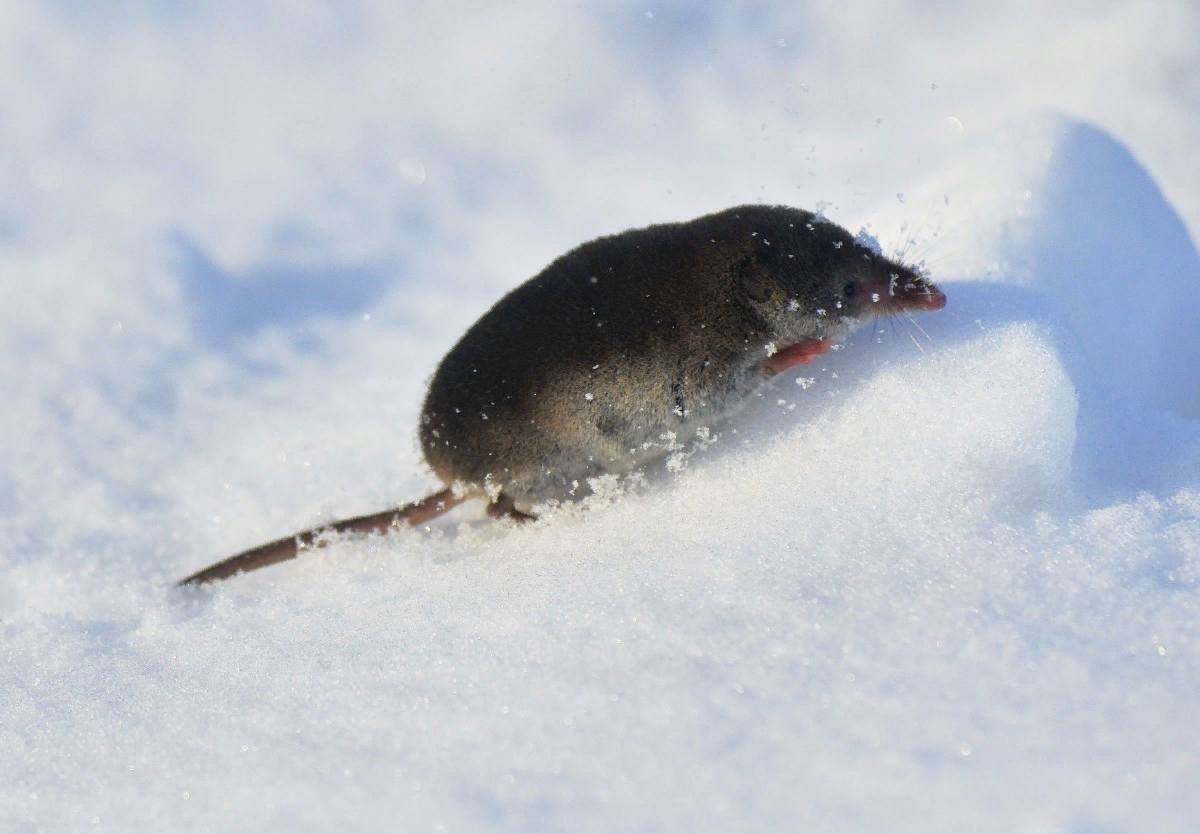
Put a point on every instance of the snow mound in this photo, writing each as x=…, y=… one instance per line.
x=1075, y=217
x=946, y=579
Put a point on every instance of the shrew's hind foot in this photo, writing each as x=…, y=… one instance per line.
x=504, y=507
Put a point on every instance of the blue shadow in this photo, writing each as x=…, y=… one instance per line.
x=226, y=310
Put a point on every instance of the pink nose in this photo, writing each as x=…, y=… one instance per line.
x=914, y=297
x=933, y=299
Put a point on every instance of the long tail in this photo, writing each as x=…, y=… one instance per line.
x=283, y=549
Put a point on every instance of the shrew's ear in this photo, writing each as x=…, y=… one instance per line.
x=757, y=284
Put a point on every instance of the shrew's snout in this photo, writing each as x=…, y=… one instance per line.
x=903, y=294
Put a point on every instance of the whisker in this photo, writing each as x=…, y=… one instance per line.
x=919, y=327
x=920, y=237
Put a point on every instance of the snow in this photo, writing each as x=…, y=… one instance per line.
x=944, y=579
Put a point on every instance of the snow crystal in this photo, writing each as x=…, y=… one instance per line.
x=868, y=241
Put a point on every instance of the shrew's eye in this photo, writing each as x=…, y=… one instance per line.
x=848, y=291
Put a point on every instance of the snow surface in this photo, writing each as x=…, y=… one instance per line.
x=946, y=580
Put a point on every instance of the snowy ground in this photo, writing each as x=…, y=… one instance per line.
x=951, y=585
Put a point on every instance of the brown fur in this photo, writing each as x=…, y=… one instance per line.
x=625, y=345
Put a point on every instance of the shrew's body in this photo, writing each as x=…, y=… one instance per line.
x=625, y=341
